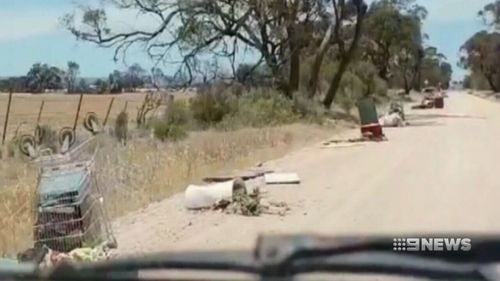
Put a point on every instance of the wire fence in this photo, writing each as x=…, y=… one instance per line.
x=59, y=110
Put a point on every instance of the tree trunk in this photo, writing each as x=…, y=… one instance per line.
x=346, y=59
x=407, y=84
x=318, y=61
x=294, y=48
x=491, y=83
x=335, y=84
x=383, y=73
x=294, y=78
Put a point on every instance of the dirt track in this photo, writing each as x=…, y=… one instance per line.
x=439, y=175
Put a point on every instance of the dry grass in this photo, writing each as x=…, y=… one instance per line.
x=146, y=171
x=60, y=109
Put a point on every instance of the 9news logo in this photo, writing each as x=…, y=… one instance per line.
x=432, y=244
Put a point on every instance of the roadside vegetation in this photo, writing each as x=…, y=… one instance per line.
x=316, y=59
x=481, y=52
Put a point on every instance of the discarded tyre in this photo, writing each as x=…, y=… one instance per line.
x=91, y=123
x=26, y=142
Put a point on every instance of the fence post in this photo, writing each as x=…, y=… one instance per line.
x=78, y=112
x=7, y=117
x=109, y=110
x=39, y=118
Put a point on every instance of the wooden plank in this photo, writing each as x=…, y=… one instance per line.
x=246, y=175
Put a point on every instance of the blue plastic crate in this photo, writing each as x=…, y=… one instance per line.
x=64, y=185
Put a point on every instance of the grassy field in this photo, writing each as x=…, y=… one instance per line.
x=142, y=172
x=60, y=110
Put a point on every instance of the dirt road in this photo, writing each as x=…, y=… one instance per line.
x=439, y=175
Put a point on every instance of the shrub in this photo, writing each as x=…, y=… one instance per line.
x=350, y=91
x=177, y=113
x=165, y=131
x=12, y=148
x=174, y=123
x=372, y=84
x=121, y=127
x=359, y=81
x=258, y=108
x=212, y=104
x=308, y=109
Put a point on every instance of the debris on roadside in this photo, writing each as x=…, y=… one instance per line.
x=281, y=178
x=392, y=120
x=371, y=130
x=45, y=257
x=394, y=117
x=433, y=98
x=340, y=144
x=205, y=196
x=365, y=137
x=250, y=205
x=246, y=175
x=238, y=196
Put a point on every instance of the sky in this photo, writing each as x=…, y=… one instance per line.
x=30, y=32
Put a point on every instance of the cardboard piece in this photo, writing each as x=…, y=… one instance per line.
x=281, y=178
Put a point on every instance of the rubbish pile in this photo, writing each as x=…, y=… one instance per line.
x=365, y=137
x=433, y=98
x=237, y=196
x=69, y=212
x=395, y=116
x=391, y=120
x=250, y=205
x=46, y=257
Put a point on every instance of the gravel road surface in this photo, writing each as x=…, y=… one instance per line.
x=439, y=175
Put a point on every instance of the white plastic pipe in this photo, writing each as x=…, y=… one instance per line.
x=205, y=196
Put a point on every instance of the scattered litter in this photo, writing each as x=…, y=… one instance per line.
x=250, y=205
x=365, y=138
x=394, y=117
x=392, y=120
x=45, y=257
x=281, y=178
x=341, y=145
x=247, y=175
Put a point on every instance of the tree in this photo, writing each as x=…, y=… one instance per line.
x=101, y=86
x=491, y=14
x=387, y=27
x=72, y=75
x=82, y=86
x=115, y=82
x=435, y=69
x=134, y=77
x=17, y=84
x=278, y=31
x=409, y=54
x=345, y=53
x=157, y=78
x=481, y=54
x=246, y=74
x=42, y=77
